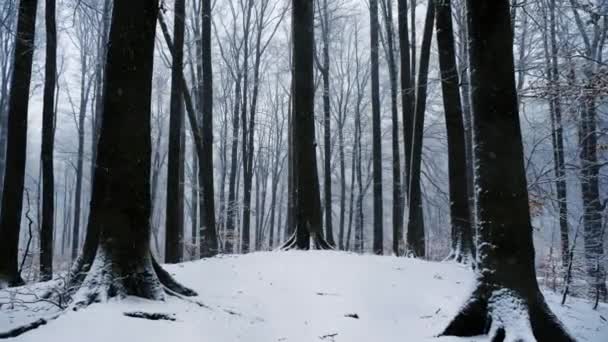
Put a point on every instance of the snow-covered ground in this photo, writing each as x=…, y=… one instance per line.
x=292, y=297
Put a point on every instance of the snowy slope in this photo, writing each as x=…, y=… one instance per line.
x=293, y=297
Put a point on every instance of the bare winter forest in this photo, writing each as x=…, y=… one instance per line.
x=332, y=146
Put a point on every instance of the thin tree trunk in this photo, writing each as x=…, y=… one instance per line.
x=327, y=197
x=47, y=147
x=376, y=131
x=392, y=66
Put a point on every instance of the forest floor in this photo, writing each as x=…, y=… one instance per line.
x=291, y=297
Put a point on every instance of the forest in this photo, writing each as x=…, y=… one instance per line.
x=304, y=170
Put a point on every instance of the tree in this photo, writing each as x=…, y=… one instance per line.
x=306, y=181
x=46, y=154
x=174, y=229
x=324, y=68
x=84, y=41
x=14, y=174
x=376, y=130
x=506, y=277
x=120, y=205
x=462, y=235
x=387, y=10
x=415, y=226
x=208, y=234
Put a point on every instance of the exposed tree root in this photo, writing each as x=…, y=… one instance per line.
x=459, y=256
x=319, y=242
x=504, y=315
x=169, y=282
x=107, y=279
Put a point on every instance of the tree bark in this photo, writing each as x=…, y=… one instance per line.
x=306, y=180
x=462, y=236
x=376, y=131
x=47, y=147
x=14, y=174
x=415, y=227
x=507, y=285
x=209, y=243
x=174, y=229
x=120, y=205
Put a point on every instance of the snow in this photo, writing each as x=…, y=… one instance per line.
x=293, y=297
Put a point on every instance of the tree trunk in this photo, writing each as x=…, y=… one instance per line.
x=327, y=197
x=232, y=210
x=376, y=130
x=507, y=285
x=415, y=226
x=14, y=174
x=246, y=235
x=306, y=182
x=462, y=236
x=47, y=147
x=392, y=66
x=174, y=229
x=209, y=243
x=120, y=204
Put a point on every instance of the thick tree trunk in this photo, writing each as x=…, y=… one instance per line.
x=209, y=243
x=120, y=205
x=47, y=147
x=376, y=131
x=14, y=174
x=306, y=180
x=174, y=229
x=507, y=284
x=462, y=236
x=415, y=227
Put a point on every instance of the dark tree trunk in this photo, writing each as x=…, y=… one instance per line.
x=462, y=236
x=376, y=130
x=407, y=92
x=507, y=285
x=174, y=229
x=48, y=139
x=14, y=174
x=555, y=109
x=120, y=204
x=415, y=226
x=306, y=181
x=209, y=243
x=102, y=50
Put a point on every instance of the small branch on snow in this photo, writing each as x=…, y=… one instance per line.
x=155, y=316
